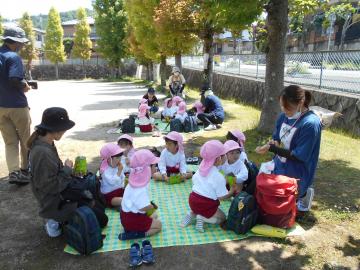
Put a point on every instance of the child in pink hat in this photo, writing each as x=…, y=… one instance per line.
x=234, y=166
x=136, y=200
x=112, y=175
x=172, y=159
x=239, y=137
x=143, y=101
x=144, y=120
x=209, y=186
x=125, y=142
x=199, y=107
x=169, y=111
x=181, y=112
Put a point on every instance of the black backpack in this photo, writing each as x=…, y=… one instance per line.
x=128, y=125
x=83, y=232
x=250, y=183
x=243, y=213
x=176, y=125
x=190, y=124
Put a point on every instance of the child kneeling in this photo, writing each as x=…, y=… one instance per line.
x=136, y=201
x=172, y=159
x=209, y=186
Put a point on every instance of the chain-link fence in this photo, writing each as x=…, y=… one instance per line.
x=326, y=70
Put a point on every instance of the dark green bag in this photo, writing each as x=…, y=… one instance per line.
x=243, y=213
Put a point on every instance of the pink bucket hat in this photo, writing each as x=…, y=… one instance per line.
x=182, y=108
x=140, y=172
x=143, y=101
x=142, y=110
x=106, y=152
x=177, y=137
x=199, y=107
x=126, y=137
x=240, y=136
x=210, y=151
x=177, y=100
x=166, y=102
x=231, y=145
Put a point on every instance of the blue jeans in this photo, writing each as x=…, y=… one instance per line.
x=154, y=109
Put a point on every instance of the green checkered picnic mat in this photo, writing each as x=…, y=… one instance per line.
x=172, y=201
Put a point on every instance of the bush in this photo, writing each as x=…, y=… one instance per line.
x=295, y=67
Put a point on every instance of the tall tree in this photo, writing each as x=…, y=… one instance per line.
x=344, y=13
x=28, y=52
x=173, y=19
x=275, y=62
x=82, y=43
x=54, y=48
x=110, y=22
x=213, y=16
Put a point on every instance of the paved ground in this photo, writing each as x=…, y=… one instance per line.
x=95, y=107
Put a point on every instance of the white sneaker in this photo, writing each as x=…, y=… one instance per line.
x=304, y=204
x=52, y=228
x=210, y=127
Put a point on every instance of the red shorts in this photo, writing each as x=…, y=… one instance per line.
x=204, y=206
x=145, y=128
x=170, y=170
x=111, y=195
x=135, y=222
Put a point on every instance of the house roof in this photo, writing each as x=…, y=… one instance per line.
x=89, y=20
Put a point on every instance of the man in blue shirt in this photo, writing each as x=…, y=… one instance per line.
x=14, y=110
x=214, y=114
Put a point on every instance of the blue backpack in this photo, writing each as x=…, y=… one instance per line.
x=176, y=125
x=190, y=124
x=83, y=232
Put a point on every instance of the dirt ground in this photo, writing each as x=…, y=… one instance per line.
x=97, y=106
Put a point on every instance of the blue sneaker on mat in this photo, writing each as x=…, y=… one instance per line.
x=135, y=255
x=147, y=252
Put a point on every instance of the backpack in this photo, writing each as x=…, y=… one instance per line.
x=83, y=232
x=176, y=125
x=250, y=183
x=128, y=125
x=276, y=198
x=243, y=213
x=190, y=124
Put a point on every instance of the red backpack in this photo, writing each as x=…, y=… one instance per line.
x=276, y=198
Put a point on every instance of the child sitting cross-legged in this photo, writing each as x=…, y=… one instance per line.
x=209, y=187
x=172, y=159
x=112, y=175
x=181, y=112
x=169, y=111
x=234, y=168
x=144, y=120
x=136, y=207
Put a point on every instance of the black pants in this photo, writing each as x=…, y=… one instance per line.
x=209, y=119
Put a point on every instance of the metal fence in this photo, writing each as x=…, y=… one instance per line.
x=325, y=70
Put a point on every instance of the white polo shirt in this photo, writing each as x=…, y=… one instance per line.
x=135, y=199
x=168, y=159
x=110, y=180
x=238, y=168
x=212, y=186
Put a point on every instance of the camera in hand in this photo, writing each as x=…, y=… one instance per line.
x=33, y=84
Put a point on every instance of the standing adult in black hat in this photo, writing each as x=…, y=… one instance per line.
x=50, y=178
x=14, y=110
x=214, y=114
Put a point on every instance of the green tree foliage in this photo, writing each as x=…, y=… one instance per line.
x=110, y=22
x=28, y=52
x=68, y=45
x=54, y=48
x=299, y=10
x=1, y=27
x=82, y=43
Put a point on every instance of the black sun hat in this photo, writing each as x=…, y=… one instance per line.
x=55, y=119
x=14, y=33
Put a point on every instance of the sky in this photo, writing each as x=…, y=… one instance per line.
x=12, y=9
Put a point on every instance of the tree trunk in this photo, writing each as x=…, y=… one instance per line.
x=209, y=54
x=148, y=72
x=83, y=67
x=151, y=70
x=275, y=62
x=178, y=61
x=163, y=70
x=56, y=70
x=234, y=46
x=343, y=33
